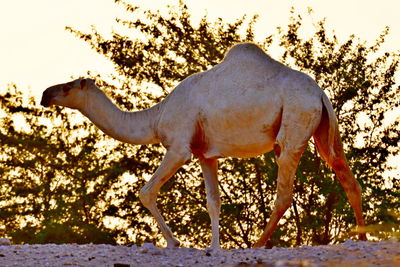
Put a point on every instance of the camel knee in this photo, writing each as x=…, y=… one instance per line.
x=214, y=206
x=287, y=166
x=346, y=177
x=213, y=200
x=147, y=198
x=353, y=191
x=283, y=202
x=355, y=187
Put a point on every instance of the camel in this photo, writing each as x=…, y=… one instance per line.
x=247, y=105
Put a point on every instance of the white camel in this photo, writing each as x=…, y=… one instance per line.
x=245, y=106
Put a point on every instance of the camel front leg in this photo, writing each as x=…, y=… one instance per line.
x=210, y=168
x=148, y=194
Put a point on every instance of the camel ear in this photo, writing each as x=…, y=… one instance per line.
x=83, y=83
x=86, y=82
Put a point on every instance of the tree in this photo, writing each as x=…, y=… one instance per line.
x=361, y=84
x=88, y=189
x=48, y=186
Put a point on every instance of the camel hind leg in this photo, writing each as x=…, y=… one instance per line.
x=290, y=143
x=341, y=168
x=287, y=159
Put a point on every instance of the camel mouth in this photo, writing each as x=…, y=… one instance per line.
x=46, y=99
x=45, y=104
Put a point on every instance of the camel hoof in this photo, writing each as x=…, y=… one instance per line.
x=259, y=244
x=211, y=248
x=363, y=237
x=174, y=243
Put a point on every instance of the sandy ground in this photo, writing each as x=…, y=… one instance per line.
x=349, y=253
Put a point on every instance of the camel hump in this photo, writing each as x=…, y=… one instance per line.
x=246, y=49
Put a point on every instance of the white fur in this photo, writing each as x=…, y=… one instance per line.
x=242, y=107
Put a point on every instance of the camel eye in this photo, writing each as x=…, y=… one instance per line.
x=66, y=89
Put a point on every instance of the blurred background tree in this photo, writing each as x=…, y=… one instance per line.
x=62, y=180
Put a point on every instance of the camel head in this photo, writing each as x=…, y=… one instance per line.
x=72, y=94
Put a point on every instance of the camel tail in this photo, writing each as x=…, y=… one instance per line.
x=330, y=147
x=333, y=126
x=325, y=135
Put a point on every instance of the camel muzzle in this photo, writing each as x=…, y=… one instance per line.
x=46, y=98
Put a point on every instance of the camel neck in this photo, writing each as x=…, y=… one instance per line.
x=137, y=127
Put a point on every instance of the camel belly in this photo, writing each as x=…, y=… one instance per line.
x=238, y=142
x=222, y=150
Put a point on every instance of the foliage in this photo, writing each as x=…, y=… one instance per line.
x=64, y=181
x=361, y=84
x=58, y=180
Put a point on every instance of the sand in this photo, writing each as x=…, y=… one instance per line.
x=349, y=253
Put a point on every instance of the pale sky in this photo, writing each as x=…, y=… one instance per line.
x=36, y=50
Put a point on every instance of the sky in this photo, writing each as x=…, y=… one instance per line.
x=36, y=51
